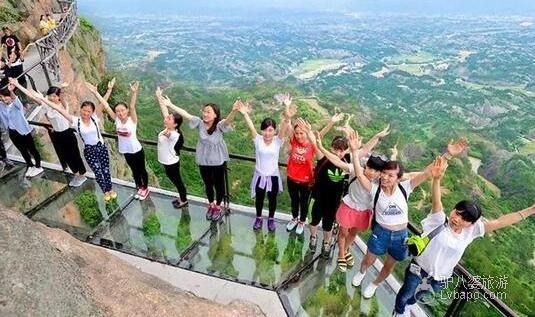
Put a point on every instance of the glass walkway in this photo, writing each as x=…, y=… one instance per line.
x=279, y=262
x=152, y=229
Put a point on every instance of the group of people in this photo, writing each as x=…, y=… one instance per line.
x=343, y=183
x=47, y=23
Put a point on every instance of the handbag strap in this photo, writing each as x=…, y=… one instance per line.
x=437, y=230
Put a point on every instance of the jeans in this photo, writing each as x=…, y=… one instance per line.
x=384, y=241
x=407, y=293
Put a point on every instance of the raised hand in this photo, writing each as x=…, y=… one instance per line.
x=111, y=83
x=134, y=86
x=458, y=147
x=286, y=99
x=384, y=133
x=337, y=117
x=395, y=152
x=158, y=93
x=301, y=123
x=354, y=140
x=91, y=87
x=348, y=120
x=439, y=167
x=317, y=136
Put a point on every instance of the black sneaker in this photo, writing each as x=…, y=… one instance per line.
x=313, y=243
x=326, y=250
x=177, y=203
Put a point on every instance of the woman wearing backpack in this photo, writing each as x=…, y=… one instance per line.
x=453, y=234
x=390, y=213
x=170, y=141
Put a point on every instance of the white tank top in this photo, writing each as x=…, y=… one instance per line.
x=127, y=133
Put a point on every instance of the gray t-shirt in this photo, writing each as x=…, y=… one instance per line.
x=211, y=149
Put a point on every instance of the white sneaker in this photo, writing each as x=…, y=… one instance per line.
x=28, y=172
x=291, y=225
x=357, y=279
x=77, y=181
x=369, y=291
x=300, y=228
x=36, y=171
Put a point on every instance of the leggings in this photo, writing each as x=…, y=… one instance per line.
x=173, y=172
x=299, y=196
x=99, y=161
x=3, y=154
x=214, y=177
x=26, y=147
x=136, y=161
x=324, y=209
x=66, y=146
x=272, y=197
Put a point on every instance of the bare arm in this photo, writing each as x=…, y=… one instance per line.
x=509, y=219
x=111, y=84
x=244, y=109
x=284, y=129
x=161, y=102
x=368, y=147
x=167, y=102
x=134, y=89
x=333, y=158
x=28, y=92
x=334, y=119
x=439, y=167
x=354, y=144
x=454, y=149
x=102, y=101
x=232, y=114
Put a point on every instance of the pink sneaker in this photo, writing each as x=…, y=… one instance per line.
x=209, y=212
x=143, y=193
x=216, y=213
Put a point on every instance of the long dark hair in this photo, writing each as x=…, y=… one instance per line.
x=178, y=121
x=53, y=90
x=217, y=117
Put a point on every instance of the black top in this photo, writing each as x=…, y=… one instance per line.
x=329, y=181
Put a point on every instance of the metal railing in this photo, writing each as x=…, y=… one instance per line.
x=456, y=306
x=49, y=45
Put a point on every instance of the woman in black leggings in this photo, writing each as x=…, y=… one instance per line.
x=170, y=141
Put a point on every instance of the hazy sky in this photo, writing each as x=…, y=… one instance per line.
x=468, y=7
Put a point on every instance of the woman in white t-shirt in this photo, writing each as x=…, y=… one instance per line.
x=62, y=136
x=125, y=118
x=390, y=208
x=444, y=251
x=170, y=141
x=266, y=178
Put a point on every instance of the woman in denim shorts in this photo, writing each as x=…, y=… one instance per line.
x=390, y=206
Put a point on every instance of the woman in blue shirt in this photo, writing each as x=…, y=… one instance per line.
x=20, y=131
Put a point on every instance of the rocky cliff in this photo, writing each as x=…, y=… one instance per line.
x=46, y=272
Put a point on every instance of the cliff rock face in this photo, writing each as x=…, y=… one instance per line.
x=22, y=16
x=46, y=272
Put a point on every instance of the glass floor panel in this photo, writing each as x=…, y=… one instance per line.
x=22, y=194
x=154, y=229
x=232, y=250
x=322, y=290
x=80, y=210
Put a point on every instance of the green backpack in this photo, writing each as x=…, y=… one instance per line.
x=418, y=242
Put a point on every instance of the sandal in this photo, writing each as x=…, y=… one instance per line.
x=342, y=264
x=349, y=259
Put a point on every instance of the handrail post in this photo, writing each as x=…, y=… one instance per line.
x=458, y=302
x=226, y=196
